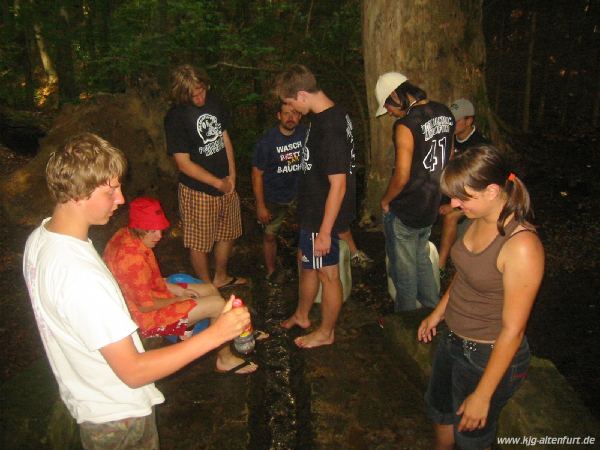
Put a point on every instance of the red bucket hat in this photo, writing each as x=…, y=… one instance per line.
x=145, y=213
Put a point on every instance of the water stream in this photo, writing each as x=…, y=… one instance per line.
x=280, y=398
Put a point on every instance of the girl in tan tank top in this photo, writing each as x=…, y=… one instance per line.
x=486, y=303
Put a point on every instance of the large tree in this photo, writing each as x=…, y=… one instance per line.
x=439, y=46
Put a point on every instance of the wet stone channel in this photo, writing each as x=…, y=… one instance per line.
x=350, y=395
x=279, y=400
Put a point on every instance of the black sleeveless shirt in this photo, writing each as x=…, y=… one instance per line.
x=432, y=128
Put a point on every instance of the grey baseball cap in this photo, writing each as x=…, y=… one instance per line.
x=462, y=108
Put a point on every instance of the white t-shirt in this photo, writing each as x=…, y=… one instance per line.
x=79, y=309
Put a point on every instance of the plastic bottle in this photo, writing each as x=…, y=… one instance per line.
x=244, y=343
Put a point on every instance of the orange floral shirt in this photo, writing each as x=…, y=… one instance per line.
x=136, y=270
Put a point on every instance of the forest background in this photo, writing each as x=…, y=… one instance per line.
x=542, y=82
x=542, y=67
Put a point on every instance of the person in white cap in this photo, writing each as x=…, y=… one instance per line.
x=423, y=136
x=466, y=135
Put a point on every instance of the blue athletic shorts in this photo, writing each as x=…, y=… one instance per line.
x=306, y=245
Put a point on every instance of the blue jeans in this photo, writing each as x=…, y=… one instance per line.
x=409, y=264
x=457, y=368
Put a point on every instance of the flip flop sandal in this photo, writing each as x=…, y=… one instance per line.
x=231, y=283
x=234, y=370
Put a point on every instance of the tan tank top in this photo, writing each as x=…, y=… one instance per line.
x=475, y=306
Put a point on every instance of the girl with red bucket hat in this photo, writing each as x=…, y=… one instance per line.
x=158, y=307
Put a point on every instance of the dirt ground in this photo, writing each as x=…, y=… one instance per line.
x=327, y=400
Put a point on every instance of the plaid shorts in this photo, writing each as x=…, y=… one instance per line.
x=208, y=218
x=131, y=433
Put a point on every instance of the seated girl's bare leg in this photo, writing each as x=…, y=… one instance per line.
x=204, y=289
x=208, y=307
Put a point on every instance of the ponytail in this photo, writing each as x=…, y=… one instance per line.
x=517, y=202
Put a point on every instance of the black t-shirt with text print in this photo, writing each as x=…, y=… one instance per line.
x=198, y=131
x=329, y=150
x=432, y=127
x=279, y=156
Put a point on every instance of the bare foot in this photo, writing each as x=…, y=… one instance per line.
x=293, y=321
x=225, y=365
x=315, y=339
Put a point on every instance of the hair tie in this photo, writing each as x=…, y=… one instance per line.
x=511, y=177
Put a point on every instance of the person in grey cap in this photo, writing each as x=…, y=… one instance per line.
x=423, y=134
x=466, y=135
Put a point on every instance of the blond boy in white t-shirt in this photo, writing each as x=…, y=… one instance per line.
x=105, y=378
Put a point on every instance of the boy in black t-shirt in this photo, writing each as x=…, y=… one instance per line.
x=197, y=138
x=326, y=200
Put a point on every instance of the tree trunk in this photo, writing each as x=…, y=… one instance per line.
x=67, y=86
x=89, y=23
x=308, y=18
x=528, y=74
x=440, y=47
x=47, y=63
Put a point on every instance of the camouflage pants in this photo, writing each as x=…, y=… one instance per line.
x=136, y=433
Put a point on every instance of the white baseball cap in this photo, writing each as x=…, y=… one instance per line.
x=462, y=108
x=386, y=84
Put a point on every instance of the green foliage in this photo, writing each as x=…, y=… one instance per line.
x=11, y=81
x=116, y=44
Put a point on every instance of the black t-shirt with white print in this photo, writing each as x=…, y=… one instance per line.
x=328, y=150
x=432, y=127
x=198, y=131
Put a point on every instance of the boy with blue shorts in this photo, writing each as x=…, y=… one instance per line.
x=326, y=200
